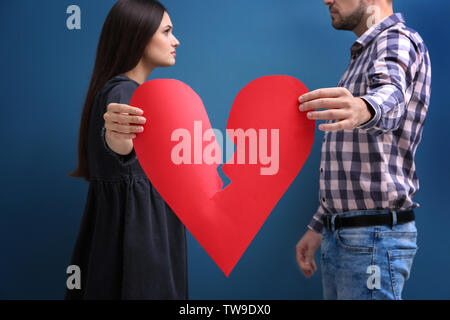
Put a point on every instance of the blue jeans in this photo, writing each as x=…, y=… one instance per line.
x=367, y=263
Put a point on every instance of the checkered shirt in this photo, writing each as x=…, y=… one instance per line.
x=372, y=167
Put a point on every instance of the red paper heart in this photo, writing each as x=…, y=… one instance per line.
x=224, y=221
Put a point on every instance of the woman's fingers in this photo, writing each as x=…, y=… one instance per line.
x=122, y=113
x=124, y=108
x=123, y=121
x=124, y=118
x=123, y=128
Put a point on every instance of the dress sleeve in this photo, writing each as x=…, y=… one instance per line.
x=121, y=93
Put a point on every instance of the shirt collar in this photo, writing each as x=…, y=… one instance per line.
x=375, y=30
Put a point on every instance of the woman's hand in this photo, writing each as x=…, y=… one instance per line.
x=122, y=123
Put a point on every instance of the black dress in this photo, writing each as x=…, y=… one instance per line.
x=130, y=245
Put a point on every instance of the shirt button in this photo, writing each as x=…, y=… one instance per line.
x=323, y=199
x=321, y=170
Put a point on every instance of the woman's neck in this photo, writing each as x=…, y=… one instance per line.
x=140, y=73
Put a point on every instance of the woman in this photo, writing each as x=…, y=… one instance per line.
x=130, y=245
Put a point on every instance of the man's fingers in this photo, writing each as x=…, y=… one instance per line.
x=329, y=115
x=124, y=108
x=322, y=103
x=299, y=256
x=314, y=265
x=306, y=268
x=341, y=125
x=322, y=93
x=304, y=262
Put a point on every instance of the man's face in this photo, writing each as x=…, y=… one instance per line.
x=346, y=14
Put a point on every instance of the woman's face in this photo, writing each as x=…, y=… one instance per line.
x=160, y=51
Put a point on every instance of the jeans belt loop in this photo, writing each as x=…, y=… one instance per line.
x=394, y=218
x=333, y=217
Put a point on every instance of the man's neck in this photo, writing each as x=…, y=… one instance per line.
x=372, y=17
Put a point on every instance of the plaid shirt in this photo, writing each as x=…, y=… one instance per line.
x=372, y=167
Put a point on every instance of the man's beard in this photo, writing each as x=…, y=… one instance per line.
x=353, y=20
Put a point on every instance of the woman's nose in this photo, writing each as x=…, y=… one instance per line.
x=175, y=42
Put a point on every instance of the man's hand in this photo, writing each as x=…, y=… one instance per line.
x=352, y=112
x=306, y=248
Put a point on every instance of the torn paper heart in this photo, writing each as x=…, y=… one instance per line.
x=180, y=153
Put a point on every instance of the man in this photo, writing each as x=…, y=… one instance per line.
x=374, y=121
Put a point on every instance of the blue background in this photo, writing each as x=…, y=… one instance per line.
x=224, y=45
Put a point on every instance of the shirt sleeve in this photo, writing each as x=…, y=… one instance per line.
x=316, y=223
x=390, y=79
x=121, y=93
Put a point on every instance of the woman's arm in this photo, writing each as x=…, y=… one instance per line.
x=119, y=146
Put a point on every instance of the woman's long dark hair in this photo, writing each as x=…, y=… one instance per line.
x=126, y=32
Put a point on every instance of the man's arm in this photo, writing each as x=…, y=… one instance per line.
x=383, y=106
x=391, y=81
